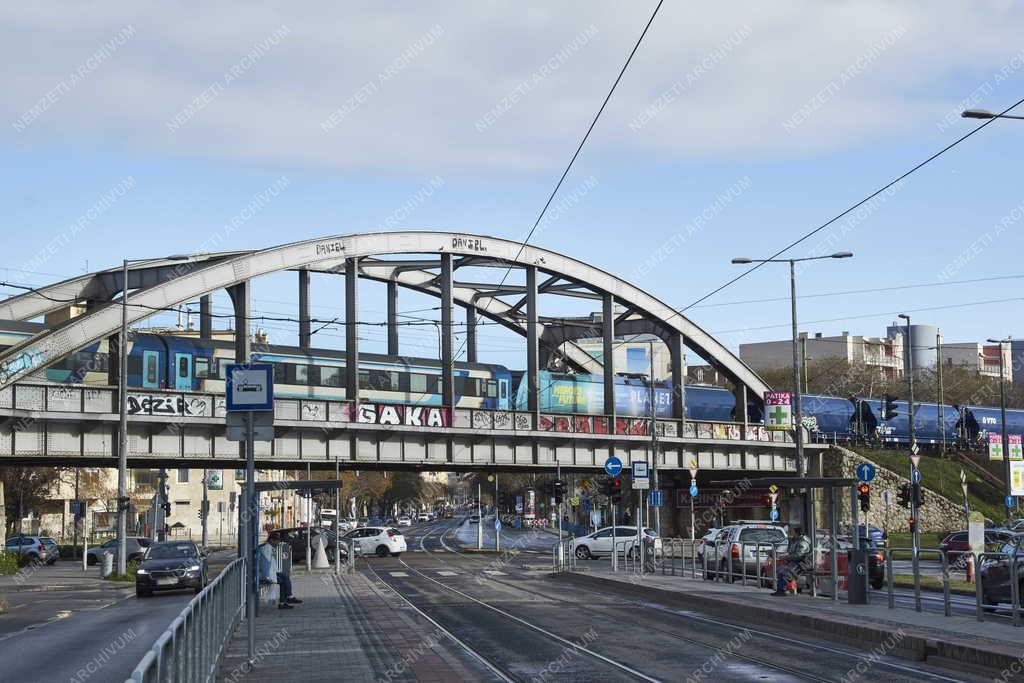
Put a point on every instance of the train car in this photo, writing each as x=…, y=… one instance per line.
x=827, y=415
x=928, y=424
x=977, y=422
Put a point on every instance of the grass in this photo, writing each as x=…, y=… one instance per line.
x=943, y=477
x=127, y=577
x=8, y=563
x=933, y=583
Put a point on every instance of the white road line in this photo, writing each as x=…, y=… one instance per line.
x=399, y=574
x=527, y=624
x=445, y=572
x=494, y=572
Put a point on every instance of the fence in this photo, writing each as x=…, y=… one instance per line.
x=191, y=647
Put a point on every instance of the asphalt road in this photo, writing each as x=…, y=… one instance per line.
x=89, y=633
x=532, y=627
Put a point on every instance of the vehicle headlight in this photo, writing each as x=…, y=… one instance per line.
x=140, y=570
x=192, y=568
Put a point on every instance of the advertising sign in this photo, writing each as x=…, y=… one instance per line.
x=1014, y=446
x=1017, y=477
x=995, y=447
x=778, y=410
x=530, y=506
x=215, y=480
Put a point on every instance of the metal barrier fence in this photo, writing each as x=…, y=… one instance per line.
x=191, y=647
x=563, y=559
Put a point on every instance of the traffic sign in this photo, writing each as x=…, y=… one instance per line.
x=497, y=524
x=641, y=483
x=250, y=386
x=640, y=469
x=693, y=490
x=774, y=514
x=917, y=476
x=773, y=488
x=574, y=501
x=773, y=497
x=693, y=469
x=887, y=497
x=656, y=498
x=612, y=466
x=865, y=471
x=1009, y=501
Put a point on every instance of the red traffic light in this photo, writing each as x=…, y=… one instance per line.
x=863, y=489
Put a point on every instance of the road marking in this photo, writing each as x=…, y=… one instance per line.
x=399, y=574
x=447, y=573
x=494, y=572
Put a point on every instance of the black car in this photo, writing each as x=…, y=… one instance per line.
x=173, y=565
x=296, y=539
x=995, y=575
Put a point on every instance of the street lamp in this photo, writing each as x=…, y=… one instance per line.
x=801, y=464
x=122, y=432
x=1002, y=421
x=909, y=368
x=985, y=114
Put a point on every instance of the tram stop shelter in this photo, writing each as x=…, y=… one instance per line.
x=834, y=489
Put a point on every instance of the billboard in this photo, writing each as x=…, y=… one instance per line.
x=778, y=412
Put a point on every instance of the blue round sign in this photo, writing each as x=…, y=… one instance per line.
x=775, y=514
x=917, y=476
x=1009, y=501
x=612, y=466
x=693, y=490
x=865, y=471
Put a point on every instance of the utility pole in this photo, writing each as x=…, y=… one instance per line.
x=915, y=485
x=942, y=421
x=206, y=509
x=122, y=431
x=803, y=361
x=654, y=445
x=1002, y=422
x=161, y=527
x=479, y=518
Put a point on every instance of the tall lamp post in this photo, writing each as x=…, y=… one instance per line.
x=985, y=114
x=1002, y=423
x=801, y=464
x=122, y=431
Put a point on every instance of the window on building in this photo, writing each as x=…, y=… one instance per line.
x=182, y=476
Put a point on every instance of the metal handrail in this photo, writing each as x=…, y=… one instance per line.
x=191, y=647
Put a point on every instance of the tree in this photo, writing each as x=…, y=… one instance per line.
x=26, y=489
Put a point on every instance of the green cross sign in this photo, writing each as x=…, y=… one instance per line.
x=997, y=448
x=1015, y=450
x=778, y=415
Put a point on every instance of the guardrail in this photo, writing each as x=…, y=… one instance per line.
x=563, y=559
x=191, y=647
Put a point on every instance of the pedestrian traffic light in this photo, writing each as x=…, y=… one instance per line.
x=558, y=490
x=864, y=494
x=918, y=495
x=889, y=407
x=904, y=495
x=615, y=490
x=913, y=524
x=167, y=508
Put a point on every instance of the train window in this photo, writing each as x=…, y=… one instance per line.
x=364, y=379
x=381, y=380
x=202, y=367
x=280, y=373
x=183, y=366
x=330, y=376
x=504, y=386
x=467, y=386
x=492, y=389
x=152, y=371
x=417, y=383
x=302, y=374
x=222, y=368
x=313, y=375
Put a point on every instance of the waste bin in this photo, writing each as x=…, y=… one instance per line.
x=856, y=577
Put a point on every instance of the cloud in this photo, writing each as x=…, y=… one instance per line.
x=425, y=114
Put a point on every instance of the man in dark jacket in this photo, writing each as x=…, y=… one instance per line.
x=797, y=560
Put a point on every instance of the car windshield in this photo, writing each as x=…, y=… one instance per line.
x=47, y=540
x=764, y=535
x=170, y=551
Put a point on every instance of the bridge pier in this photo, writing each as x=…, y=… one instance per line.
x=205, y=317
x=241, y=299
x=392, y=297
x=352, y=330
x=304, y=331
x=447, y=359
x=470, y=334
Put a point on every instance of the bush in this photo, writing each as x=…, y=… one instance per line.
x=8, y=563
x=129, y=574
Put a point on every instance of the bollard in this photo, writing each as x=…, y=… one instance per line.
x=945, y=583
x=107, y=564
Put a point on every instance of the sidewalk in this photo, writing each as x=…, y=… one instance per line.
x=914, y=635
x=345, y=630
x=64, y=575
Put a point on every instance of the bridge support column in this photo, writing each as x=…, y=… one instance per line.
x=532, y=347
x=241, y=295
x=392, y=318
x=447, y=362
x=471, y=334
x=677, y=356
x=304, y=331
x=741, y=412
x=352, y=330
x=205, y=317
x=608, y=359
x=113, y=360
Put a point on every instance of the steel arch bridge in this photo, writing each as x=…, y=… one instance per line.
x=424, y=261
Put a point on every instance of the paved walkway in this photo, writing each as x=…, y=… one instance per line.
x=996, y=643
x=346, y=630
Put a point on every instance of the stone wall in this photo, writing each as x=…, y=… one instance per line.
x=938, y=514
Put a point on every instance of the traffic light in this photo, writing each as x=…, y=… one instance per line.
x=864, y=494
x=167, y=508
x=904, y=495
x=615, y=490
x=558, y=490
x=889, y=407
x=918, y=495
x=913, y=524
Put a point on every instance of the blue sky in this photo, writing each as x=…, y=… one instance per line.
x=461, y=116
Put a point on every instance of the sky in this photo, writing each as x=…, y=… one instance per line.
x=141, y=129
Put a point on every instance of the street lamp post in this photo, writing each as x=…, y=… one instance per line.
x=801, y=463
x=1002, y=423
x=985, y=114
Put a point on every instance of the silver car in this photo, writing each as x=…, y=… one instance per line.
x=36, y=548
x=742, y=548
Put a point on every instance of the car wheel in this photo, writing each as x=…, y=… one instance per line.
x=583, y=553
x=877, y=584
x=382, y=551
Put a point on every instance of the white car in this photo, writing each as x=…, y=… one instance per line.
x=600, y=542
x=404, y=521
x=423, y=517
x=377, y=540
x=706, y=540
x=346, y=524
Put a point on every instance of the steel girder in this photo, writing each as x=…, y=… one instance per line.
x=329, y=253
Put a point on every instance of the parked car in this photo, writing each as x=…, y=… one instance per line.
x=958, y=540
x=423, y=517
x=705, y=541
x=404, y=521
x=35, y=548
x=135, y=545
x=737, y=548
x=172, y=565
x=823, y=566
x=381, y=541
x=295, y=537
x=599, y=543
x=346, y=524
x=474, y=518
x=876, y=534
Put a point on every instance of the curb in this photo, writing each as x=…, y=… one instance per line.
x=916, y=645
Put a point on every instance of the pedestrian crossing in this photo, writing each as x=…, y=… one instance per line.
x=446, y=573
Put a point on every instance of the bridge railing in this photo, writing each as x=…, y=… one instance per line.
x=191, y=647
x=92, y=399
